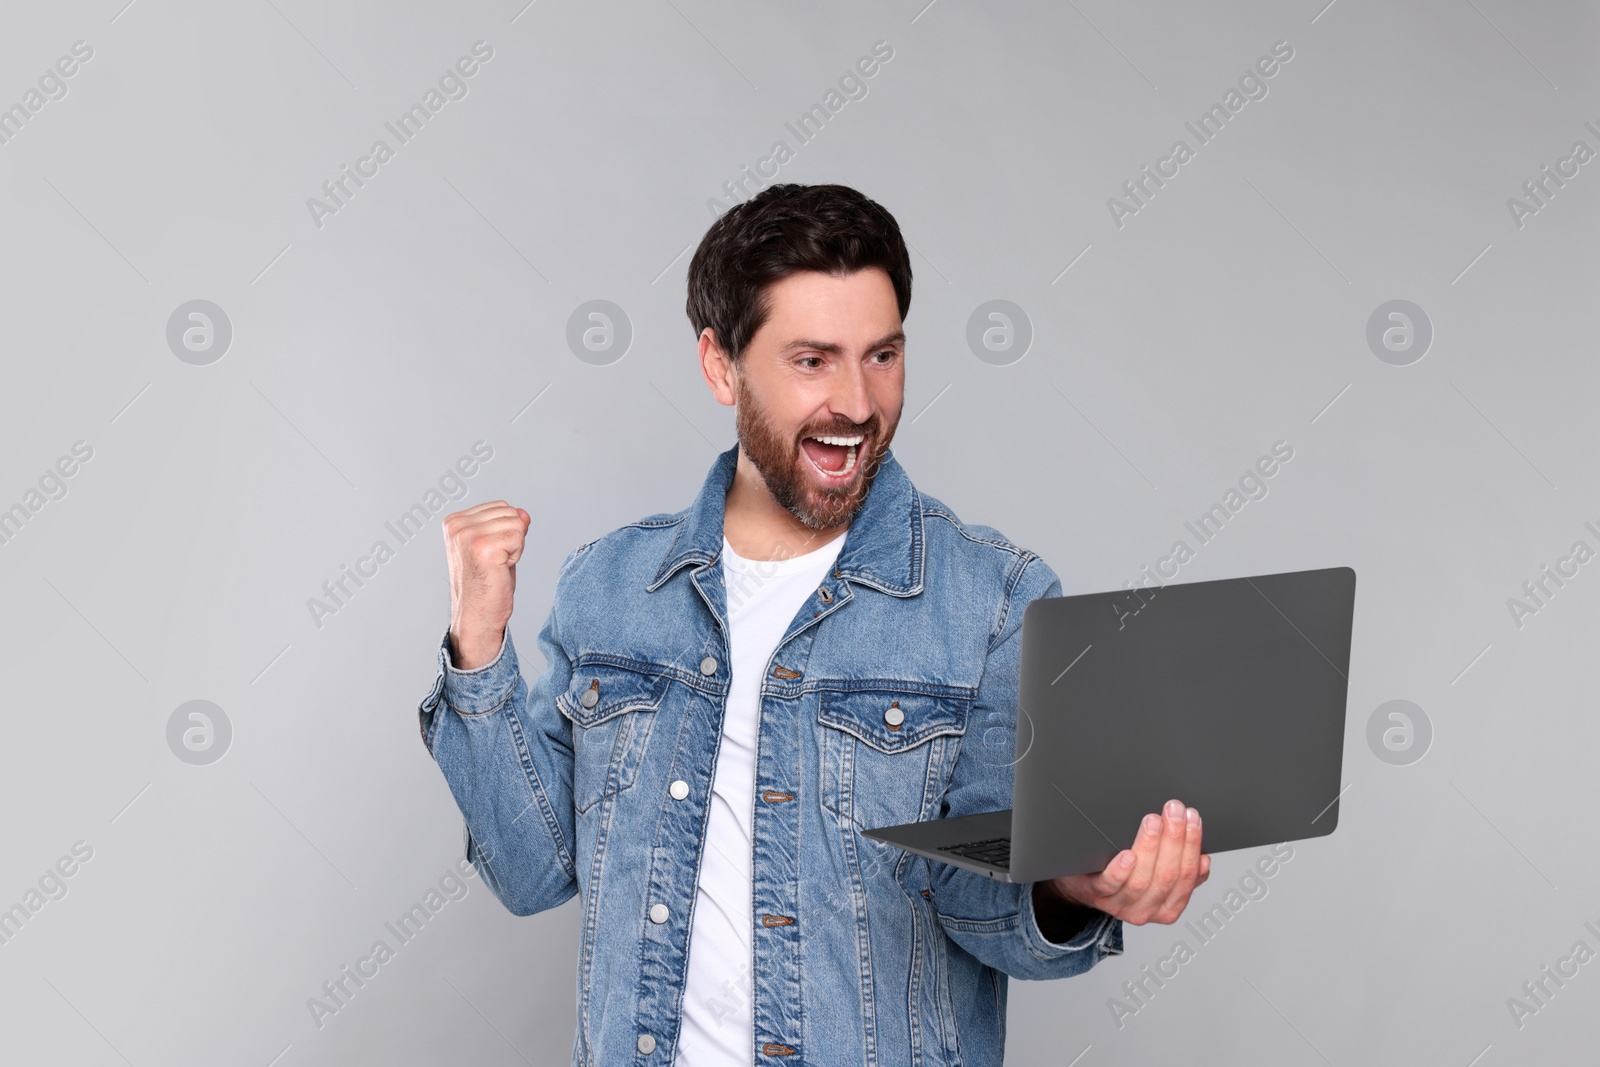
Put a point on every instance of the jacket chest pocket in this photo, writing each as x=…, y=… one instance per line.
x=612, y=710
x=887, y=752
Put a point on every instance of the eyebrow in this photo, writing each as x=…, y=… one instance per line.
x=835, y=349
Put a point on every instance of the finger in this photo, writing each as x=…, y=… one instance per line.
x=1205, y=869
x=462, y=521
x=1169, y=861
x=496, y=549
x=1164, y=877
x=1108, y=881
x=1146, y=846
x=1189, y=865
x=502, y=532
x=503, y=514
x=474, y=509
x=479, y=556
x=1188, y=870
x=495, y=524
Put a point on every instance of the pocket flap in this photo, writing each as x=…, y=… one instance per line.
x=614, y=690
x=894, y=720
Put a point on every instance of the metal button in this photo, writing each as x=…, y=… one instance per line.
x=678, y=789
x=894, y=716
x=590, y=698
x=647, y=1044
x=708, y=665
x=658, y=913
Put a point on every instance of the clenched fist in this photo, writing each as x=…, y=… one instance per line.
x=483, y=544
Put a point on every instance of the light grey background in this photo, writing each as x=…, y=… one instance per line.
x=369, y=353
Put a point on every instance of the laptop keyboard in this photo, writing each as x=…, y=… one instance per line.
x=994, y=850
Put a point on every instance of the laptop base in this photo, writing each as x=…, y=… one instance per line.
x=966, y=841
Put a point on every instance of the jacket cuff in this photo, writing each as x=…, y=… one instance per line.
x=1100, y=937
x=483, y=689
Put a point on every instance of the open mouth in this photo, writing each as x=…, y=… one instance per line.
x=833, y=456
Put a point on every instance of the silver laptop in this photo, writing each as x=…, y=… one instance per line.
x=1228, y=694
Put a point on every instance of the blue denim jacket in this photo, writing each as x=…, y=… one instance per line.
x=863, y=953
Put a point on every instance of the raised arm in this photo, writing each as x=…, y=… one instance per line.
x=504, y=749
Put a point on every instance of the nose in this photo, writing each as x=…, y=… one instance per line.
x=850, y=398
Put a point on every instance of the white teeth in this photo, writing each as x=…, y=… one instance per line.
x=850, y=443
x=849, y=464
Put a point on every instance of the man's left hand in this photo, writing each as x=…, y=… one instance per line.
x=1151, y=881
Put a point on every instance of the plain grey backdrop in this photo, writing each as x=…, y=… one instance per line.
x=235, y=455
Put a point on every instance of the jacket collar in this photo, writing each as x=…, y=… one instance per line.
x=883, y=547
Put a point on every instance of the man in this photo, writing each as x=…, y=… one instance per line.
x=736, y=690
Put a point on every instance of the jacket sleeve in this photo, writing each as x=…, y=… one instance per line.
x=506, y=751
x=991, y=919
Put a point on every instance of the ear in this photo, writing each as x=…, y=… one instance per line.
x=717, y=368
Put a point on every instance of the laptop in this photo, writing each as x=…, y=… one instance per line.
x=1227, y=694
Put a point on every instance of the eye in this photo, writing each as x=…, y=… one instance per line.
x=891, y=353
x=803, y=359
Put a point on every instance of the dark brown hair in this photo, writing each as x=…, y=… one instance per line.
x=783, y=229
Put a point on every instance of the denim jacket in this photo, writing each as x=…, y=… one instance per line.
x=863, y=953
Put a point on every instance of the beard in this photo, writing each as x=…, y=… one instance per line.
x=784, y=467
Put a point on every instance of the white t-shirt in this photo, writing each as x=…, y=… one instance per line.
x=763, y=598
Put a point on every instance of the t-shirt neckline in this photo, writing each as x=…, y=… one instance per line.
x=770, y=567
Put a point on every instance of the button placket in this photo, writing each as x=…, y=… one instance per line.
x=776, y=870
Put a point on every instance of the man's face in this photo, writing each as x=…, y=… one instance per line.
x=829, y=362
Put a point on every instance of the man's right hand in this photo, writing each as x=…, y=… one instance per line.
x=483, y=544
